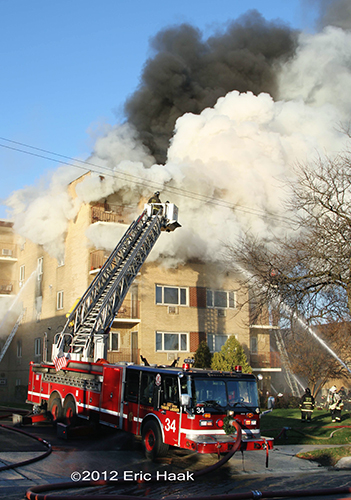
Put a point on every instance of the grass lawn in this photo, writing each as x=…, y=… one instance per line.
x=286, y=427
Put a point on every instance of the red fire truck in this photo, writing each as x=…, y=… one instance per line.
x=186, y=408
x=189, y=408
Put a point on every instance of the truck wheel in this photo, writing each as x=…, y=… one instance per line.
x=69, y=413
x=55, y=409
x=152, y=441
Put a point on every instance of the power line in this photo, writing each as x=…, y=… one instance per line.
x=136, y=179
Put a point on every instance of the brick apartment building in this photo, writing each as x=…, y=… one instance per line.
x=165, y=315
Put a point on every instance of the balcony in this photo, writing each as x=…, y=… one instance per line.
x=128, y=354
x=6, y=287
x=129, y=312
x=265, y=360
x=111, y=213
x=8, y=252
x=97, y=260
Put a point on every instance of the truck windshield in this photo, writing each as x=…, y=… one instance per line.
x=225, y=393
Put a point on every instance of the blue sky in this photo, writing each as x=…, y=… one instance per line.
x=68, y=67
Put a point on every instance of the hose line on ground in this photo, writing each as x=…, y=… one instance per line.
x=30, y=460
x=40, y=492
x=336, y=427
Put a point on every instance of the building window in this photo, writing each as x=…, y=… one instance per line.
x=253, y=345
x=22, y=274
x=19, y=348
x=171, y=295
x=114, y=341
x=220, y=299
x=40, y=267
x=215, y=342
x=37, y=347
x=59, y=300
x=171, y=341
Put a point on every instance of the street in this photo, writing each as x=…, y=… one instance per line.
x=115, y=455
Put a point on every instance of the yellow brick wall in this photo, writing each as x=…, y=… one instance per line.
x=187, y=319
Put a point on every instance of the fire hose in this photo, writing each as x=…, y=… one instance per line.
x=30, y=460
x=35, y=493
x=40, y=492
x=336, y=427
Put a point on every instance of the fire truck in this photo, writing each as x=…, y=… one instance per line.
x=184, y=407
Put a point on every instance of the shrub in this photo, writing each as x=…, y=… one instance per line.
x=203, y=356
x=231, y=354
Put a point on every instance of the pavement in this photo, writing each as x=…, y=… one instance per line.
x=115, y=455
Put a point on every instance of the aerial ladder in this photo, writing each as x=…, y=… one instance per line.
x=84, y=335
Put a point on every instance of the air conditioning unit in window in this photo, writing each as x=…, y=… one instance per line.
x=173, y=310
x=222, y=313
x=7, y=252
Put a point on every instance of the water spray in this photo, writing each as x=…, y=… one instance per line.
x=15, y=301
x=310, y=330
x=301, y=322
x=19, y=295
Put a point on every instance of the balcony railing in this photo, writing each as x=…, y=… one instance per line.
x=98, y=259
x=127, y=354
x=265, y=360
x=111, y=213
x=130, y=309
x=8, y=251
x=6, y=287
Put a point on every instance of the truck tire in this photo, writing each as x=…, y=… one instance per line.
x=55, y=408
x=152, y=441
x=69, y=413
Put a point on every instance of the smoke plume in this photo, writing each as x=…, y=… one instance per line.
x=334, y=13
x=188, y=74
x=229, y=117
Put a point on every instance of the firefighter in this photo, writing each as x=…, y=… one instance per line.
x=270, y=402
x=307, y=406
x=155, y=199
x=336, y=404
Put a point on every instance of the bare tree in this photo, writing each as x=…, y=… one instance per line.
x=310, y=361
x=308, y=273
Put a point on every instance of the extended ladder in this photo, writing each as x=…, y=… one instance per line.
x=89, y=322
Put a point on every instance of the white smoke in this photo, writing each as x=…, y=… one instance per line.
x=41, y=212
x=320, y=73
x=241, y=152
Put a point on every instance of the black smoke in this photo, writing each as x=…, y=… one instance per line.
x=188, y=74
x=334, y=13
